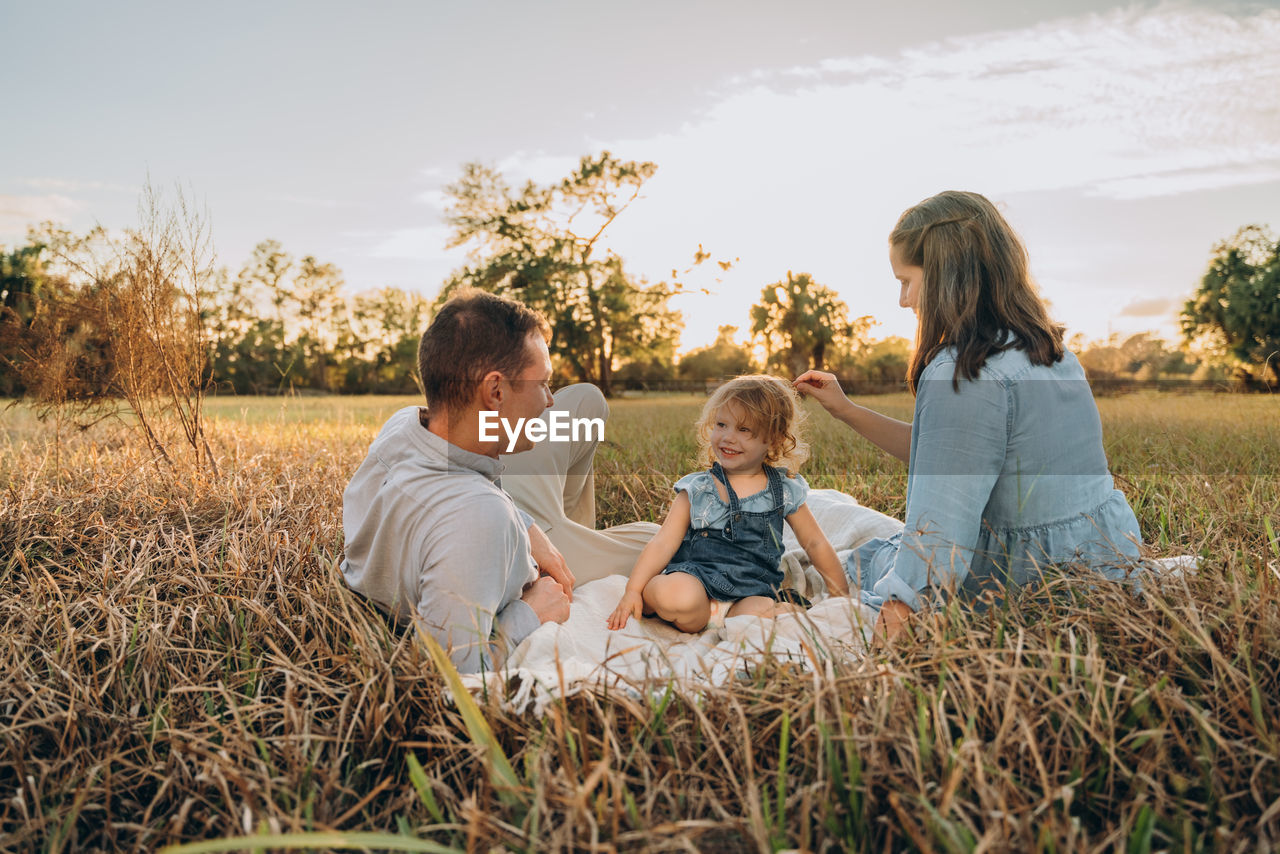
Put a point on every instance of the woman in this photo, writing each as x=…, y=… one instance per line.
x=1006, y=471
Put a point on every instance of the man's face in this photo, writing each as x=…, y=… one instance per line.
x=529, y=394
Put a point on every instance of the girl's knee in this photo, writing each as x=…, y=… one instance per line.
x=678, y=598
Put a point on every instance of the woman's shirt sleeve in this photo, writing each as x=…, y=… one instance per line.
x=958, y=445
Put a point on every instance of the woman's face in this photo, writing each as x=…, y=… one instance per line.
x=911, y=278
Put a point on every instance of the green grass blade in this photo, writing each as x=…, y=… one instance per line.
x=418, y=777
x=502, y=775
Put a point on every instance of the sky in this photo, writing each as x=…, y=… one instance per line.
x=1121, y=141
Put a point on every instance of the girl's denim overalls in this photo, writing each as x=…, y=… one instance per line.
x=743, y=558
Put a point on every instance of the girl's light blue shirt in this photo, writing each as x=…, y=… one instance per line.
x=708, y=510
x=1007, y=475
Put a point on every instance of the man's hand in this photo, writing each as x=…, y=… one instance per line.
x=549, y=560
x=547, y=599
x=893, y=620
x=630, y=605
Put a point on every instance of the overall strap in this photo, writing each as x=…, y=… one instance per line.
x=735, y=509
x=718, y=473
x=775, y=487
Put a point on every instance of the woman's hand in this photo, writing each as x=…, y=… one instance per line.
x=630, y=605
x=886, y=433
x=893, y=620
x=822, y=387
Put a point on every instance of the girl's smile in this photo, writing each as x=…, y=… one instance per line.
x=736, y=446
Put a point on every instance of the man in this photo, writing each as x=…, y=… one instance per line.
x=431, y=534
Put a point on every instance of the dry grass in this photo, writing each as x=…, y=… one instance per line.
x=179, y=660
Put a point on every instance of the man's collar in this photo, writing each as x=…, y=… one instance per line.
x=458, y=457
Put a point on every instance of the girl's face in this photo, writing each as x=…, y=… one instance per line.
x=910, y=277
x=737, y=448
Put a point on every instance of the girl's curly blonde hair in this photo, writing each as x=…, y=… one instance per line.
x=770, y=407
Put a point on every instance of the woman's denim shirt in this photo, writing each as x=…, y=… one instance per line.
x=1007, y=475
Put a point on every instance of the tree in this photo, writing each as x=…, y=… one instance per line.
x=379, y=336
x=316, y=289
x=269, y=267
x=1238, y=302
x=26, y=288
x=53, y=344
x=543, y=245
x=798, y=319
x=723, y=358
x=883, y=361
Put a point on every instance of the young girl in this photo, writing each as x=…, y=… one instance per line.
x=718, y=552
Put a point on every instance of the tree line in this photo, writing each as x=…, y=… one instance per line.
x=92, y=317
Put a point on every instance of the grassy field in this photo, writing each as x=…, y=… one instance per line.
x=180, y=660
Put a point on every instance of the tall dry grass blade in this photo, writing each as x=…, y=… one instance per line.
x=311, y=841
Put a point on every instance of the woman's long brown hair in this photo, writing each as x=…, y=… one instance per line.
x=976, y=286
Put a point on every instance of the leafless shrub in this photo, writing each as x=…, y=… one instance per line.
x=129, y=327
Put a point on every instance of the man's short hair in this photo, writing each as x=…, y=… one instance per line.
x=475, y=332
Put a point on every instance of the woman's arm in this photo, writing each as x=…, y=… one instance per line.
x=886, y=433
x=655, y=557
x=818, y=548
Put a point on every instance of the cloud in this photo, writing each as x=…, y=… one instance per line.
x=537, y=166
x=806, y=168
x=19, y=212
x=1153, y=307
x=433, y=198
x=1189, y=180
x=73, y=186
x=417, y=244
x=1125, y=104
x=306, y=201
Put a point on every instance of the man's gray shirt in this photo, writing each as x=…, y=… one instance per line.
x=431, y=533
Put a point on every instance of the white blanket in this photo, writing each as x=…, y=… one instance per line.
x=562, y=659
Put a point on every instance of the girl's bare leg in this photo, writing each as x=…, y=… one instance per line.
x=760, y=606
x=680, y=599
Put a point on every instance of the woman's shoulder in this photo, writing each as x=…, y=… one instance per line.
x=1007, y=366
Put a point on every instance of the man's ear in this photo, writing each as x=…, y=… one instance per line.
x=490, y=391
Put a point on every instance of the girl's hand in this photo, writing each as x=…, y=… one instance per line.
x=631, y=605
x=818, y=548
x=822, y=387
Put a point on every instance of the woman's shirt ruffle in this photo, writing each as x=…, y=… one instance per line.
x=1104, y=539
